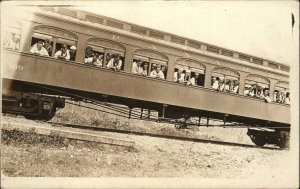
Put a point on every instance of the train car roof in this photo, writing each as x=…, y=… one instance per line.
x=57, y=10
x=80, y=17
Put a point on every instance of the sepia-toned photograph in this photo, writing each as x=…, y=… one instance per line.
x=150, y=94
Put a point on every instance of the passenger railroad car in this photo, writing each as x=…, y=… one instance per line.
x=257, y=92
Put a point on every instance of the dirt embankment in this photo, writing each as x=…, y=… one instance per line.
x=34, y=155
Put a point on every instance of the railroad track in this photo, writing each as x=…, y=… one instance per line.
x=89, y=127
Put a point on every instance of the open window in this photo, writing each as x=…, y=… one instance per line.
x=53, y=39
x=162, y=65
x=191, y=71
x=282, y=92
x=255, y=86
x=150, y=61
x=105, y=50
x=12, y=35
x=225, y=79
x=112, y=54
x=94, y=56
x=140, y=65
x=44, y=38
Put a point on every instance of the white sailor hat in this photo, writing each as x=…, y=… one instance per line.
x=73, y=48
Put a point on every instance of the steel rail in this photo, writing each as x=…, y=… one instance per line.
x=121, y=131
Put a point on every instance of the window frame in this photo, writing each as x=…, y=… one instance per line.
x=107, y=50
x=12, y=26
x=234, y=76
x=143, y=59
x=152, y=60
x=55, y=38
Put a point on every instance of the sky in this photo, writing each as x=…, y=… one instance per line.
x=260, y=28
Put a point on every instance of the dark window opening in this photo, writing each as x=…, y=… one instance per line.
x=140, y=65
x=226, y=83
x=189, y=75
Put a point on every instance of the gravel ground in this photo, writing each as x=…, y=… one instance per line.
x=38, y=156
x=151, y=157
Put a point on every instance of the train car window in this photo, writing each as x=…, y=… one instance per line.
x=156, y=62
x=67, y=53
x=257, y=86
x=189, y=75
x=12, y=34
x=42, y=41
x=225, y=83
x=199, y=76
x=158, y=68
x=115, y=58
x=140, y=65
x=231, y=84
x=182, y=74
x=217, y=80
x=46, y=39
x=190, y=72
x=225, y=79
x=113, y=53
x=12, y=38
x=53, y=40
x=94, y=56
x=282, y=93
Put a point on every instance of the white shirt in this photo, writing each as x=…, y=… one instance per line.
x=235, y=89
x=287, y=100
x=222, y=86
x=88, y=60
x=98, y=62
x=161, y=75
x=137, y=69
x=154, y=74
x=192, y=81
x=60, y=53
x=275, y=97
x=246, y=92
x=175, y=77
x=251, y=93
x=215, y=85
x=42, y=52
x=231, y=88
x=110, y=64
x=268, y=99
x=262, y=96
x=226, y=89
x=181, y=78
x=145, y=72
x=134, y=68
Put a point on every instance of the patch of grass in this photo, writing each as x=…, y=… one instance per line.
x=18, y=137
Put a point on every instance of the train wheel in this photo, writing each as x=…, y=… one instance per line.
x=32, y=117
x=259, y=140
x=284, y=141
x=50, y=115
x=46, y=116
x=40, y=117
